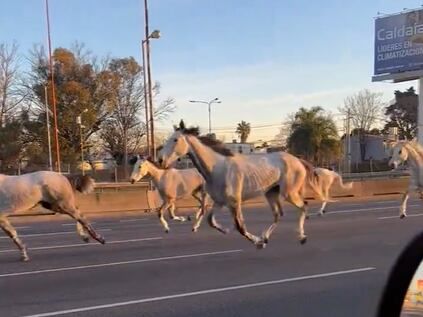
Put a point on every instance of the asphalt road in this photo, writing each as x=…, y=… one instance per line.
x=142, y=271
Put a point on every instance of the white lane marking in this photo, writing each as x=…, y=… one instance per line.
x=133, y=220
x=74, y=224
x=365, y=209
x=82, y=244
x=22, y=227
x=81, y=267
x=201, y=292
x=392, y=217
x=386, y=201
x=49, y=234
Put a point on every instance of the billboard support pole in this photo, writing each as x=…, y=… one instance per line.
x=420, y=113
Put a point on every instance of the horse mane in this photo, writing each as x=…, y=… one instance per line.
x=207, y=140
x=82, y=183
x=215, y=145
x=150, y=159
x=415, y=147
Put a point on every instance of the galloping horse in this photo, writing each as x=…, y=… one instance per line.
x=49, y=189
x=172, y=184
x=326, y=179
x=234, y=178
x=412, y=152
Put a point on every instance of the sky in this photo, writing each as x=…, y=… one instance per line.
x=263, y=58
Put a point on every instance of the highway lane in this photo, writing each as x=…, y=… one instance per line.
x=145, y=272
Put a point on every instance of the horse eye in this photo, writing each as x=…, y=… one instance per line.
x=399, y=151
x=175, y=140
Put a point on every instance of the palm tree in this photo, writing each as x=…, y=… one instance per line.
x=243, y=130
x=313, y=135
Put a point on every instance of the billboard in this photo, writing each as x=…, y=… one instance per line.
x=399, y=43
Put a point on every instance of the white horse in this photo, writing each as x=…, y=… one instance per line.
x=412, y=152
x=172, y=184
x=49, y=189
x=234, y=178
x=326, y=179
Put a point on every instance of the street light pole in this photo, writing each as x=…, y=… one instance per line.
x=208, y=103
x=50, y=161
x=53, y=92
x=81, y=132
x=150, y=88
x=147, y=117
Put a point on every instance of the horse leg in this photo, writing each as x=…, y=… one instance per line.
x=214, y=224
x=201, y=200
x=326, y=195
x=161, y=217
x=11, y=232
x=296, y=200
x=322, y=209
x=403, y=208
x=274, y=203
x=82, y=233
x=199, y=215
x=242, y=229
x=172, y=214
x=279, y=203
x=84, y=223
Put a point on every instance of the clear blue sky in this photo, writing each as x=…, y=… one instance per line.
x=263, y=58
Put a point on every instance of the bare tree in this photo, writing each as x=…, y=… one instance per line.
x=124, y=130
x=10, y=94
x=365, y=108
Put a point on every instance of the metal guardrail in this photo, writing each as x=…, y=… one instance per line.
x=370, y=175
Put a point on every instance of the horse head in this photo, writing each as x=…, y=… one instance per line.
x=139, y=170
x=399, y=154
x=176, y=145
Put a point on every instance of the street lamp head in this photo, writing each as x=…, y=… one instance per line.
x=216, y=99
x=155, y=34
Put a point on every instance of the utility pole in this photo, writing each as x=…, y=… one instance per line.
x=348, y=141
x=50, y=160
x=53, y=92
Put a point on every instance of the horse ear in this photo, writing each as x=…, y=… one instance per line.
x=182, y=125
x=133, y=160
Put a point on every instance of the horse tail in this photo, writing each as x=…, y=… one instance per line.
x=346, y=186
x=313, y=180
x=82, y=183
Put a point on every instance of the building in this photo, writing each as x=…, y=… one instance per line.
x=366, y=148
x=242, y=148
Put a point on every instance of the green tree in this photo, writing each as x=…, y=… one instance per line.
x=403, y=114
x=82, y=86
x=243, y=130
x=313, y=134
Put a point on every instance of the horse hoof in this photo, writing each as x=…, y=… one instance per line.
x=303, y=240
x=24, y=258
x=324, y=211
x=307, y=217
x=86, y=239
x=189, y=218
x=402, y=216
x=167, y=231
x=261, y=245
